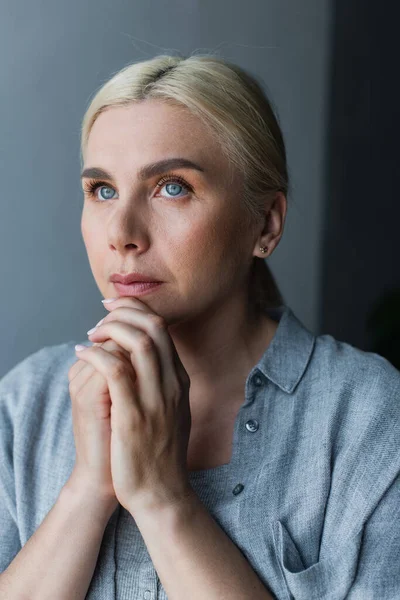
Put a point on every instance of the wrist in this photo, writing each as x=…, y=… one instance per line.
x=81, y=495
x=155, y=504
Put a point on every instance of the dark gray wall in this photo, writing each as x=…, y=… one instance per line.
x=361, y=249
x=52, y=58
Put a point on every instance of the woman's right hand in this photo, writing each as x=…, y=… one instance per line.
x=91, y=415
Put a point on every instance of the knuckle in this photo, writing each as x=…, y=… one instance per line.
x=78, y=397
x=120, y=354
x=158, y=322
x=117, y=370
x=115, y=349
x=110, y=345
x=144, y=342
x=72, y=371
x=74, y=384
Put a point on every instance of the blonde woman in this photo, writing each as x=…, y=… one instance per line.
x=201, y=443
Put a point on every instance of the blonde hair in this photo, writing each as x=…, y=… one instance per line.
x=233, y=105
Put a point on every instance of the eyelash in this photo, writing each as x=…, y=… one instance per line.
x=93, y=184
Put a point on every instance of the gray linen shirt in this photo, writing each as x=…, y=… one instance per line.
x=311, y=495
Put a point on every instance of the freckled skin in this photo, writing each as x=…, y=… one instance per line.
x=195, y=243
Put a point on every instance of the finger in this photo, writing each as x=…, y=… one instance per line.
x=133, y=302
x=89, y=373
x=95, y=386
x=79, y=366
x=120, y=381
x=175, y=364
x=155, y=327
x=145, y=360
x=84, y=370
x=128, y=301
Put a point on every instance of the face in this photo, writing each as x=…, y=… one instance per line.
x=182, y=226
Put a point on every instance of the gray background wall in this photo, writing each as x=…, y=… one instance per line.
x=53, y=55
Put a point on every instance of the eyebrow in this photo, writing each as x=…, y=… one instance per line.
x=146, y=171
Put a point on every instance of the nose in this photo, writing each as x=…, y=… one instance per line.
x=126, y=230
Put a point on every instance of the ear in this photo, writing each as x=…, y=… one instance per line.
x=273, y=226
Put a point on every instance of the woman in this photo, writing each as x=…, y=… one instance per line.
x=202, y=443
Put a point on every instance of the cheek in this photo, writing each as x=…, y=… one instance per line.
x=88, y=236
x=195, y=244
x=85, y=230
x=203, y=252
x=91, y=229
x=96, y=252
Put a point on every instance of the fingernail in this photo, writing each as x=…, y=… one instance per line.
x=106, y=300
x=78, y=347
x=91, y=330
x=100, y=322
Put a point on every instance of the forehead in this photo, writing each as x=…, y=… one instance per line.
x=150, y=129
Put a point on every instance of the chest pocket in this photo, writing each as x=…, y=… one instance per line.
x=328, y=579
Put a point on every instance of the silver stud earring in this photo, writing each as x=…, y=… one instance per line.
x=263, y=249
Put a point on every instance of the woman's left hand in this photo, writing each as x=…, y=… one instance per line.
x=150, y=410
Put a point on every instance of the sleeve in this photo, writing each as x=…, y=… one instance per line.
x=378, y=573
x=9, y=534
x=359, y=554
x=365, y=567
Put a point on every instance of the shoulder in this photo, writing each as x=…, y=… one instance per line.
x=349, y=372
x=342, y=358
x=40, y=374
x=354, y=398
x=361, y=418
x=351, y=400
x=41, y=365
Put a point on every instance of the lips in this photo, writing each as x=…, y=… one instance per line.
x=133, y=278
x=137, y=288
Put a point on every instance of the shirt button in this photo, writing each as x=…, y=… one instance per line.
x=147, y=595
x=257, y=380
x=252, y=425
x=237, y=489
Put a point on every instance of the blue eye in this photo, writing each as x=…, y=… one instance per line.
x=92, y=187
x=172, y=191
x=174, y=182
x=106, y=187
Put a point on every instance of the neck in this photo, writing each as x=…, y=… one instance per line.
x=219, y=350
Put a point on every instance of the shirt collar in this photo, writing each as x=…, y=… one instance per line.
x=285, y=360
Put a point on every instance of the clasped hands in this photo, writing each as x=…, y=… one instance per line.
x=150, y=411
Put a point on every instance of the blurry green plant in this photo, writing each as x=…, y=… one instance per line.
x=383, y=327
